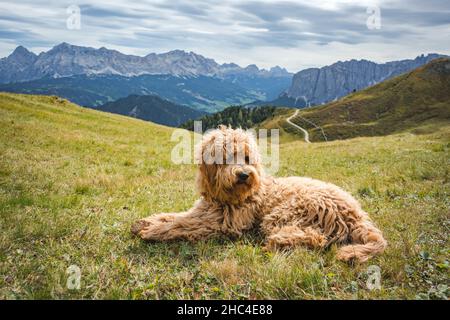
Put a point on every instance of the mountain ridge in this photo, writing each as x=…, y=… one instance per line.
x=65, y=60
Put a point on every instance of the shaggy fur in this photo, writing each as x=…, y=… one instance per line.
x=290, y=211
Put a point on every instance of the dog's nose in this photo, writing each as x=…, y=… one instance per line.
x=243, y=176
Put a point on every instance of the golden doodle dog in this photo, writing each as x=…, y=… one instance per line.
x=236, y=195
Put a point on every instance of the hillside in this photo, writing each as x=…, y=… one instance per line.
x=407, y=101
x=151, y=108
x=73, y=179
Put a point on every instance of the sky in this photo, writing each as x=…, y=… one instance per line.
x=295, y=34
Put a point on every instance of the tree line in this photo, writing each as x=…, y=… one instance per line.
x=234, y=116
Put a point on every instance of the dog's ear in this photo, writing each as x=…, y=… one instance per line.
x=204, y=175
x=205, y=179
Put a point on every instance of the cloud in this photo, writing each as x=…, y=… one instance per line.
x=294, y=34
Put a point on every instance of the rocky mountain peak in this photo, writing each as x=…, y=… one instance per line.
x=252, y=67
x=64, y=46
x=230, y=65
x=278, y=71
x=22, y=54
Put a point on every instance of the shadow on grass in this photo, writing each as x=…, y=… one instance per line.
x=186, y=252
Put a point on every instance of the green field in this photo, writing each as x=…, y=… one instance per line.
x=72, y=180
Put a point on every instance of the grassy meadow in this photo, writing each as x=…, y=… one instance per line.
x=72, y=180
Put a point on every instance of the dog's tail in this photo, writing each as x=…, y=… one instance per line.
x=367, y=242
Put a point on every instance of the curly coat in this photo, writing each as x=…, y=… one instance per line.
x=291, y=211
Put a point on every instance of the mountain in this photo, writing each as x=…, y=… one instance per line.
x=65, y=60
x=16, y=66
x=201, y=92
x=151, y=108
x=416, y=98
x=316, y=86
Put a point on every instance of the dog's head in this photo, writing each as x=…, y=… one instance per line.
x=229, y=165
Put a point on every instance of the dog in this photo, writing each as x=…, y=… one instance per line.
x=237, y=196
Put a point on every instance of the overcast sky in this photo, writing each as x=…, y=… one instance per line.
x=293, y=34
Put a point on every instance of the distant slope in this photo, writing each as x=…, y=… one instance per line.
x=407, y=101
x=236, y=117
x=268, y=88
x=200, y=92
x=281, y=101
x=152, y=108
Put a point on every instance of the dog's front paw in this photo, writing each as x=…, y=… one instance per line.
x=150, y=232
x=139, y=225
x=153, y=227
x=352, y=254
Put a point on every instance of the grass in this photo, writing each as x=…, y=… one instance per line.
x=72, y=180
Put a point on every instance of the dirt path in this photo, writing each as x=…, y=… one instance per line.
x=306, y=134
